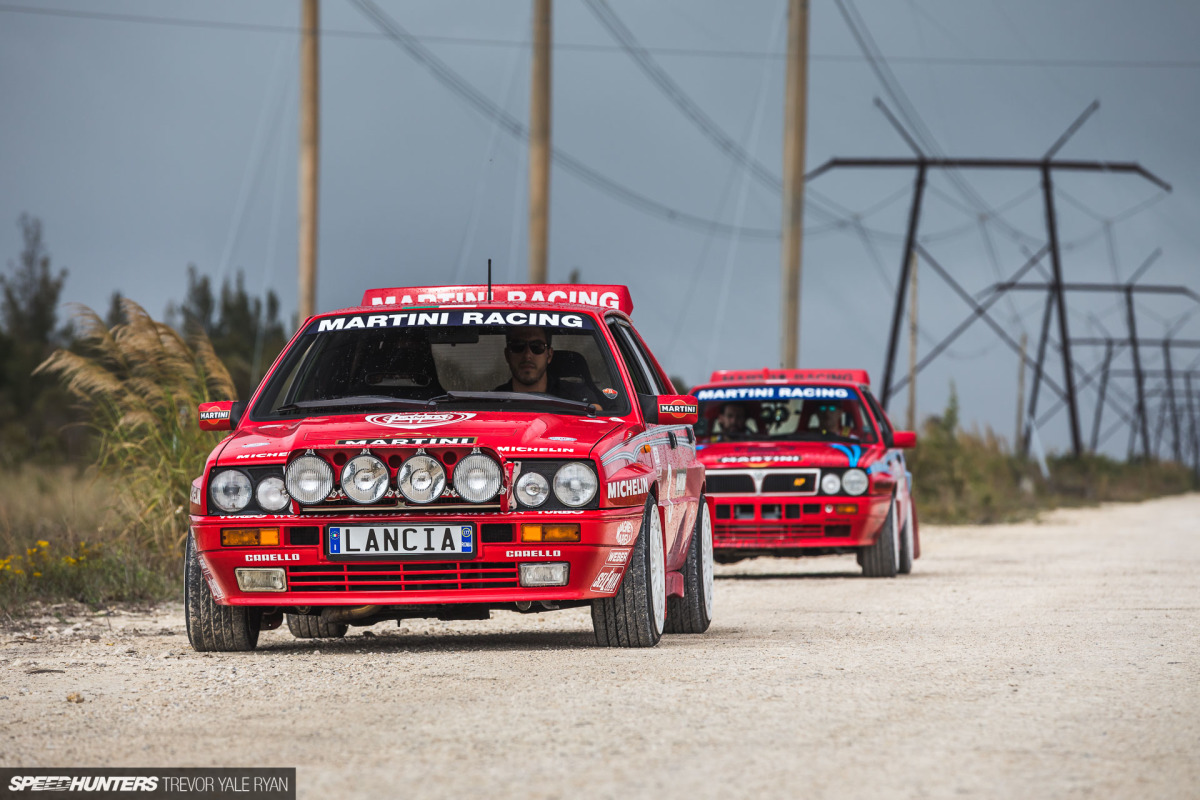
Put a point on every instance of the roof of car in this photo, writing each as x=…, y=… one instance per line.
x=769, y=376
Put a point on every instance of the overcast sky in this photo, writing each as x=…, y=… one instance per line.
x=145, y=145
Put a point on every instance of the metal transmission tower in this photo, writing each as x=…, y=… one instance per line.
x=1046, y=166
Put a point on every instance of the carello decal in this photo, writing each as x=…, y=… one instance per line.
x=424, y=319
x=423, y=441
x=630, y=487
x=775, y=393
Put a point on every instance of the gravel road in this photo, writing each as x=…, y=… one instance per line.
x=1050, y=659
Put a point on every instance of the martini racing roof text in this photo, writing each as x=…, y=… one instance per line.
x=775, y=393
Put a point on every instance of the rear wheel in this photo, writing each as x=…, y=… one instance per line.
x=882, y=559
x=213, y=627
x=692, y=613
x=636, y=614
x=312, y=626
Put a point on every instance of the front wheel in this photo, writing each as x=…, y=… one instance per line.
x=882, y=559
x=313, y=626
x=636, y=614
x=213, y=627
x=906, y=541
x=693, y=612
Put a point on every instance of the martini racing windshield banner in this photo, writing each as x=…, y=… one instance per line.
x=429, y=319
x=776, y=393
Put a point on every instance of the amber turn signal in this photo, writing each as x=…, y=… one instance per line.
x=848, y=508
x=243, y=537
x=562, y=532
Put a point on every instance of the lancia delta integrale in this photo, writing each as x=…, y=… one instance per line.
x=806, y=462
x=448, y=451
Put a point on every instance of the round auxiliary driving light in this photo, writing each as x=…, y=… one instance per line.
x=477, y=478
x=575, y=484
x=532, y=489
x=309, y=479
x=421, y=479
x=272, y=494
x=231, y=490
x=365, y=479
x=831, y=483
x=855, y=481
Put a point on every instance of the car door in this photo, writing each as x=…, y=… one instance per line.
x=660, y=446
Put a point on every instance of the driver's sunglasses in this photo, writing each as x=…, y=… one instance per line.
x=535, y=347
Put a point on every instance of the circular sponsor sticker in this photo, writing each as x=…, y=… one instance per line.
x=420, y=420
x=609, y=392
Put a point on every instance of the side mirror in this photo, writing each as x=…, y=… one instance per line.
x=666, y=409
x=222, y=415
x=905, y=439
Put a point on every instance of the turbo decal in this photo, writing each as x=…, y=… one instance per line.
x=775, y=393
x=630, y=487
x=607, y=579
x=424, y=441
x=418, y=420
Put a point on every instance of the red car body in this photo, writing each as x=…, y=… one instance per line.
x=767, y=490
x=646, y=452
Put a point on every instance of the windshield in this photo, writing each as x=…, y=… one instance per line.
x=772, y=413
x=512, y=360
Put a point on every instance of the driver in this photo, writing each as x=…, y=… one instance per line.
x=829, y=419
x=528, y=353
x=733, y=421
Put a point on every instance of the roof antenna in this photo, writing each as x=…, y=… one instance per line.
x=489, y=280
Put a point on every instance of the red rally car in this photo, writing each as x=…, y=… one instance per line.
x=806, y=462
x=446, y=451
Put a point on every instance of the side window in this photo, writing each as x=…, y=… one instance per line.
x=648, y=360
x=633, y=363
x=885, y=427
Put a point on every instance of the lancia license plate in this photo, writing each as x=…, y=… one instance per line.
x=451, y=541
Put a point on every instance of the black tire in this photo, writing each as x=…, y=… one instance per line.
x=906, y=542
x=312, y=626
x=212, y=627
x=882, y=559
x=692, y=613
x=631, y=618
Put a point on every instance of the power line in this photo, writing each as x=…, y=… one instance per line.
x=835, y=58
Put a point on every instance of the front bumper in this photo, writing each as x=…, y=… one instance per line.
x=755, y=523
x=597, y=562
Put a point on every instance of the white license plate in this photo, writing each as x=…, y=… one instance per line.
x=454, y=541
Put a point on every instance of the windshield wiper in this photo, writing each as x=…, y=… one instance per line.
x=357, y=401
x=519, y=397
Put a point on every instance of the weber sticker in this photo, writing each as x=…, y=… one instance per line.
x=617, y=558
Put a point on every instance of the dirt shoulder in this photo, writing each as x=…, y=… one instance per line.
x=1046, y=659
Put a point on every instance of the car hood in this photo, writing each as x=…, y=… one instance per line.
x=552, y=435
x=764, y=455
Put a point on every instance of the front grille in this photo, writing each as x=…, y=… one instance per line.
x=409, y=577
x=798, y=482
x=717, y=483
x=750, y=535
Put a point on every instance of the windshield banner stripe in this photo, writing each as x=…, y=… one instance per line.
x=415, y=319
x=775, y=393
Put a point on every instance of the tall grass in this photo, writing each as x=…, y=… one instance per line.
x=141, y=383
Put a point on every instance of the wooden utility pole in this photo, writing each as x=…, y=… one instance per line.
x=912, y=343
x=1021, y=391
x=794, y=127
x=309, y=154
x=539, y=144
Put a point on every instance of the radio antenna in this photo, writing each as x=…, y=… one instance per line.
x=489, y=280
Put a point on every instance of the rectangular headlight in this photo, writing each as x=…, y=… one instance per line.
x=554, y=573
x=261, y=580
